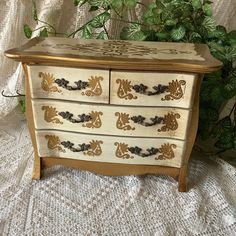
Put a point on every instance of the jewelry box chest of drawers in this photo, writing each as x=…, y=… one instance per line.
x=113, y=107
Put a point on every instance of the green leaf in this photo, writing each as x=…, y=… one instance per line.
x=207, y=9
x=100, y=3
x=196, y=4
x=117, y=4
x=225, y=140
x=163, y=35
x=93, y=8
x=34, y=10
x=133, y=32
x=77, y=2
x=22, y=105
x=87, y=32
x=178, y=33
x=195, y=37
x=222, y=125
x=27, y=31
x=209, y=24
x=43, y=33
x=130, y=3
x=100, y=20
x=101, y=35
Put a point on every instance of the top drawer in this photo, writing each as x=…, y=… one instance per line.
x=87, y=85
x=152, y=89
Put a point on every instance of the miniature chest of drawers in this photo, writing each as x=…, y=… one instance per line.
x=113, y=107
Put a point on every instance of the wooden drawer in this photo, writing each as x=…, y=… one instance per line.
x=152, y=89
x=146, y=151
x=86, y=85
x=114, y=120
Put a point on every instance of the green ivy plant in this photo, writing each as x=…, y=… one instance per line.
x=188, y=21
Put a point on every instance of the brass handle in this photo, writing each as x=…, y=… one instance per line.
x=69, y=116
x=138, y=151
x=65, y=84
x=82, y=147
x=142, y=89
x=141, y=120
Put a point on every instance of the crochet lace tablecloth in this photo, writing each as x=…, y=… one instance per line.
x=73, y=202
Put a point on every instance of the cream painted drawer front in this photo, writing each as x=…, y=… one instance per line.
x=145, y=151
x=86, y=85
x=152, y=89
x=114, y=120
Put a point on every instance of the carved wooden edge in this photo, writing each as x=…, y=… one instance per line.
x=192, y=128
x=110, y=169
x=30, y=122
x=194, y=66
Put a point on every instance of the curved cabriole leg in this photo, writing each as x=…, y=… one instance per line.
x=30, y=122
x=192, y=132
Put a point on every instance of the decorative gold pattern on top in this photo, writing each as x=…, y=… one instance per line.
x=95, y=86
x=122, y=151
x=47, y=82
x=175, y=90
x=170, y=121
x=120, y=48
x=95, y=121
x=96, y=148
x=50, y=114
x=54, y=143
x=123, y=121
x=124, y=89
x=166, y=151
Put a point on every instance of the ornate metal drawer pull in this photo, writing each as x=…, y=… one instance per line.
x=138, y=151
x=69, y=116
x=142, y=89
x=65, y=84
x=166, y=151
x=82, y=147
x=91, y=149
x=175, y=90
x=141, y=120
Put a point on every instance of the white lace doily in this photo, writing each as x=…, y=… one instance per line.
x=73, y=202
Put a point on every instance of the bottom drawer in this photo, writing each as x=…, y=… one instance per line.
x=111, y=149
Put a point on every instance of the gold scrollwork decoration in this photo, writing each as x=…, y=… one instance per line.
x=50, y=114
x=95, y=148
x=47, y=82
x=54, y=143
x=166, y=151
x=94, y=85
x=95, y=121
x=170, y=122
x=124, y=89
x=175, y=90
x=122, y=151
x=123, y=121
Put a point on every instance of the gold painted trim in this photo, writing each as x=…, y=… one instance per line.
x=166, y=151
x=170, y=122
x=54, y=143
x=50, y=114
x=175, y=90
x=123, y=121
x=95, y=147
x=122, y=151
x=47, y=82
x=96, y=121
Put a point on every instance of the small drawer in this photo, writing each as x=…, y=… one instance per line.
x=111, y=120
x=110, y=149
x=152, y=89
x=87, y=85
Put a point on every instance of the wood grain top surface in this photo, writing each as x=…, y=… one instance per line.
x=117, y=54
